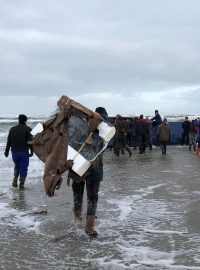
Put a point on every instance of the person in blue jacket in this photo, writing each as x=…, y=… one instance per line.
x=19, y=140
x=156, y=121
x=92, y=183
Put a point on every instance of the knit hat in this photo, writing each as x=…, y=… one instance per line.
x=22, y=118
x=165, y=119
x=102, y=111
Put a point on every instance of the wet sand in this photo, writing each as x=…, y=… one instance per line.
x=148, y=217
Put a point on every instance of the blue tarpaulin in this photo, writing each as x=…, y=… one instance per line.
x=176, y=132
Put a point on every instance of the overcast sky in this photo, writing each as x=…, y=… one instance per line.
x=130, y=56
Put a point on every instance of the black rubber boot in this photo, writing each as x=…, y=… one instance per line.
x=128, y=150
x=16, y=175
x=143, y=148
x=21, y=182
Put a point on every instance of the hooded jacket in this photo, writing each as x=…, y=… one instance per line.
x=163, y=132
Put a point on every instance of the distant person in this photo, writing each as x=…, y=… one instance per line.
x=186, y=130
x=164, y=135
x=192, y=136
x=149, y=138
x=19, y=140
x=133, y=131
x=156, y=121
x=122, y=127
x=142, y=132
x=197, y=125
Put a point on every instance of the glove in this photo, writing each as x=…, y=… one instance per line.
x=69, y=163
x=31, y=154
x=6, y=153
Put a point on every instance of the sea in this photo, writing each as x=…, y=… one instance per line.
x=148, y=215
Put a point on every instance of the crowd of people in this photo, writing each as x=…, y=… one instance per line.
x=142, y=133
x=137, y=132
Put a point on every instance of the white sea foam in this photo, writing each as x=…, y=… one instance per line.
x=168, y=232
x=147, y=216
x=3, y=134
x=171, y=171
x=128, y=227
x=16, y=218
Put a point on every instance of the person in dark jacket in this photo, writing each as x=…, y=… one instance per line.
x=149, y=138
x=142, y=132
x=92, y=182
x=164, y=135
x=122, y=127
x=192, y=136
x=156, y=121
x=19, y=140
x=186, y=131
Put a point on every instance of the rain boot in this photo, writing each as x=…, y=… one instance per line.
x=128, y=150
x=21, y=182
x=77, y=215
x=89, y=228
x=143, y=148
x=16, y=174
x=197, y=152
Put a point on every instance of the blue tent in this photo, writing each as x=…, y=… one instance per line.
x=176, y=132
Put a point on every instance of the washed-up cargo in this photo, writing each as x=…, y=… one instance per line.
x=72, y=137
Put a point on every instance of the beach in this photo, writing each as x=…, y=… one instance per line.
x=148, y=215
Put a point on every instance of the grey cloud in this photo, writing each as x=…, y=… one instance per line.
x=50, y=47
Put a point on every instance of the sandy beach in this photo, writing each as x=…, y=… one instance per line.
x=148, y=217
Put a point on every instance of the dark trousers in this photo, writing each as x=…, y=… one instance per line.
x=185, y=139
x=163, y=146
x=21, y=160
x=142, y=143
x=120, y=146
x=92, y=188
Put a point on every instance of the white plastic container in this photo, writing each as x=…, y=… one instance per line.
x=106, y=132
x=81, y=165
x=37, y=129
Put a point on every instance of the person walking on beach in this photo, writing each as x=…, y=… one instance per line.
x=149, y=138
x=192, y=136
x=164, y=135
x=186, y=130
x=142, y=132
x=156, y=121
x=197, y=125
x=120, y=145
x=92, y=182
x=19, y=140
